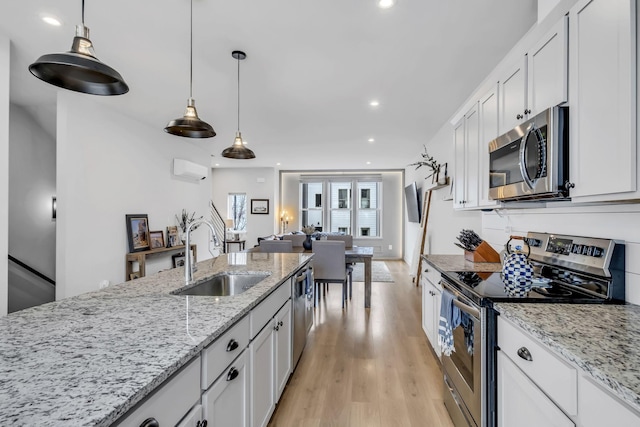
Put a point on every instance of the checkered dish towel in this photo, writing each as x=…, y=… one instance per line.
x=449, y=320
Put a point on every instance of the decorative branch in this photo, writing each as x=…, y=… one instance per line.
x=427, y=161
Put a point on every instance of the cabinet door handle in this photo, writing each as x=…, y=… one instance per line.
x=527, y=111
x=523, y=352
x=202, y=423
x=276, y=328
x=233, y=344
x=150, y=422
x=233, y=374
x=280, y=323
x=519, y=116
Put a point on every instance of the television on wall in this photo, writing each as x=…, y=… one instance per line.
x=412, y=199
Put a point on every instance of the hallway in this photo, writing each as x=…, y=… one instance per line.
x=372, y=369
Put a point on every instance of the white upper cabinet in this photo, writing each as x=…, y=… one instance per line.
x=603, y=147
x=513, y=92
x=536, y=81
x=547, y=70
x=466, y=140
x=488, y=114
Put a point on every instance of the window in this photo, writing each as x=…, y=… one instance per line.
x=353, y=205
x=311, y=212
x=340, y=218
x=237, y=210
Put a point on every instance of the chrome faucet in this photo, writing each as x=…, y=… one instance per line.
x=189, y=266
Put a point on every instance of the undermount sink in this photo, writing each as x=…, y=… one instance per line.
x=224, y=285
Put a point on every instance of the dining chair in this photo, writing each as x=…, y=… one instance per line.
x=296, y=239
x=348, y=243
x=329, y=266
x=276, y=246
x=346, y=238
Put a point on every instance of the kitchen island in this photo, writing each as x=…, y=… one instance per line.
x=87, y=360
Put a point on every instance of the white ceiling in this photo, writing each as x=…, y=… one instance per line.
x=311, y=69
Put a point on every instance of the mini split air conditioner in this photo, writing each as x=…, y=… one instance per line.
x=187, y=169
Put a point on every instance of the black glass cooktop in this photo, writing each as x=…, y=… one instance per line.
x=485, y=287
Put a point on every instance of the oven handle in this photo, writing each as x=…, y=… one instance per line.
x=461, y=305
x=467, y=308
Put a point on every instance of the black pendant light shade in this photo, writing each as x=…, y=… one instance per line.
x=238, y=150
x=190, y=125
x=79, y=69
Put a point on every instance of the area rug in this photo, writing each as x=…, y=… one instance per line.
x=379, y=272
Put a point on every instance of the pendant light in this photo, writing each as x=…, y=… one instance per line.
x=238, y=150
x=190, y=125
x=79, y=69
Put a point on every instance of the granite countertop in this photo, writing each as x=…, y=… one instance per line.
x=87, y=360
x=603, y=341
x=444, y=263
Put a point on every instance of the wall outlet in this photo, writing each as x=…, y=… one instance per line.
x=390, y=247
x=103, y=284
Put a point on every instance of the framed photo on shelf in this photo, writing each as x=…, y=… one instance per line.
x=260, y=206
x=138, y=232
x=178, y=260
x=172, y=236
x=156, y=239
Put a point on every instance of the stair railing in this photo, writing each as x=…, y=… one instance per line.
x=219, y=225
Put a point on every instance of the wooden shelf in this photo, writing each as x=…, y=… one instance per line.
x=141, y=259
x=437, y=186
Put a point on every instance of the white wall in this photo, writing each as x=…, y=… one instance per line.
x=5, y=62
x=392, y=209
x=110, y=165
x=443, y=224
x=32, y=183
x=256, y=183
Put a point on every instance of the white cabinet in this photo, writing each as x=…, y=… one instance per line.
x=431, y=296
x=520, y=401
x=597, y=408
x=488, y=114
x=171, y=401
x=283, y=338
x=226, y=402
x=603, y=147
x=270, y=364
x=537, y=80
x=466, y=140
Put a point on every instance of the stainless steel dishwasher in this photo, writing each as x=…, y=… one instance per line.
x=302, y=292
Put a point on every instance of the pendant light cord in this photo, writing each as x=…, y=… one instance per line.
x=190, y=55
x=238, y=59
x=83, y=13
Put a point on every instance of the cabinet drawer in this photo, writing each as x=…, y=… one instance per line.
x=267, y=309
x=171, y=401
x=217, y=356
x=557, y=379
x=598, y=408
x=431, y=274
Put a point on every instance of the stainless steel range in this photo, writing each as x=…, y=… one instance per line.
x=568, y=269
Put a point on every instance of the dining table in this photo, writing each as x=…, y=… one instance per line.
x=356, y=254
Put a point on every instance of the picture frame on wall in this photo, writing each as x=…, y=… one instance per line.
x=156, y=239
x=138, y=232
x=260, y=206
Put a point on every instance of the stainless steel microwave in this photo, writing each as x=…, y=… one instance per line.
x=531, y=161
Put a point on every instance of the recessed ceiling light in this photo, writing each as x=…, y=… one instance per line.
x=278, y=164
x=371, y=140
x=51, y=20
x=368, y=163
x=217, y=164
x=386, y=4
x=374, y=103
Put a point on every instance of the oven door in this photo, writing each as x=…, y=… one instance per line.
x=463, y=368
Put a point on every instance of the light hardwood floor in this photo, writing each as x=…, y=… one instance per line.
x=369, y=368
